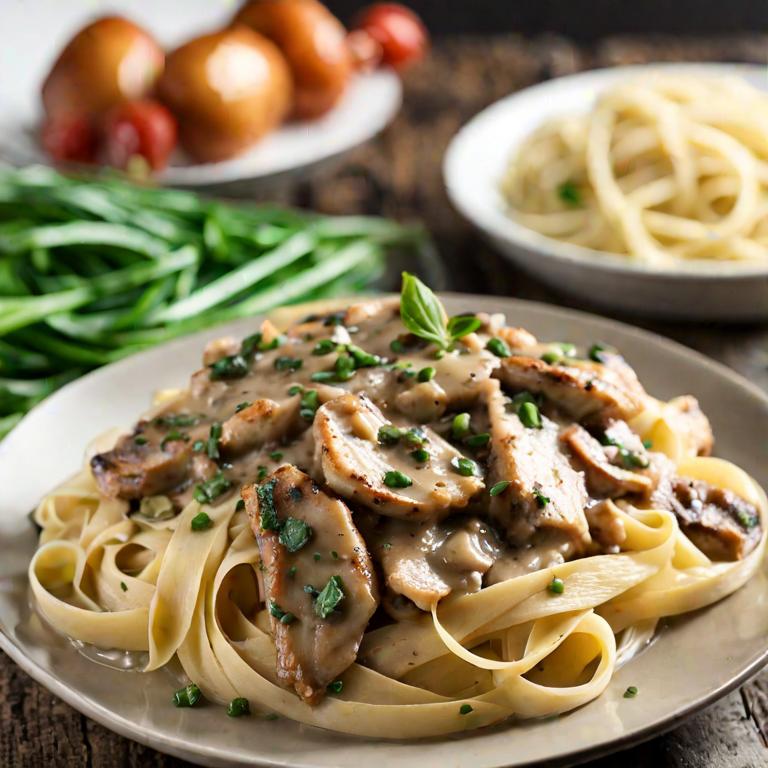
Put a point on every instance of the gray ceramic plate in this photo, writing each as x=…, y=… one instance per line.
x=695, y=660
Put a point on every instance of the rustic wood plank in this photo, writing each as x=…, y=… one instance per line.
x=399, y=175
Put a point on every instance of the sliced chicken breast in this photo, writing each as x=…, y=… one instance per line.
x=543, y=490
x=387, y=478
x=319, y=580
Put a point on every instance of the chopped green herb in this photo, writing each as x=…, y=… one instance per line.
x=284, y=617
x=420, y=455
x=746, y=517
x=498, y=347
x=647, y=444
x=529, y=415
x=140, y=440
x=334, y=554
x=386, y=545
x=335, y=687
x=250, y=344
x=295, y=389
x=309, y=404
x=460, y=426
x=389, y=434
x=212, y=446
x=261, y=472
x=465, y=709
x=198, y=446
x=631, y=692
x=556, y=586
x=240, y=506
x=499, y=487
x=230, y=367
x=478, y=441
x=632, y=460
x=462, y=325
x=415, y=436
x=362, y=358
x=211, y=489
x=541, y=499
x=323, y=376
x=317, y=557
x=397, y=346
x=294, y=534
x=569, y=193
x=551, y=358
x=329, y=598
x=201, y=522
x=242, y=406
x=271, y=716
x=439, y=354
x=276, y=455
x=426, y=374
x=172, y=437
x=187, y=696
x=324, y=347
x=123, y=586
x=292, y=571
x=265, y=493
x=344, y=367
x=464, y=466
x=285, y=363
x=335, y=318
x=596, y=353
x=396, y=479
x=238, y=707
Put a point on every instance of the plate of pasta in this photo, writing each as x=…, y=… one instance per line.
x=640, y=189
x=399, y=529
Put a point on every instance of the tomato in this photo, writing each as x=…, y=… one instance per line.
x=69, y=138
x=142, y=128
x=400, y=32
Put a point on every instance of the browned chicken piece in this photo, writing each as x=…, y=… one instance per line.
x=386, y=477
x=604, y=477
x=689, y=421
x=544, y=490
x=134, y=470
x=425, y=562
x=258, y=423
x=606, y=526
x=721, y=524
x=319, y=580
x=587, y=392
x=218, y=348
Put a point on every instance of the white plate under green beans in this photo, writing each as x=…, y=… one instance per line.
x=93, y=270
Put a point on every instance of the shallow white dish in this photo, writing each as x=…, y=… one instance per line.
x=696, y=659
x=476, y=161
x=370, y=103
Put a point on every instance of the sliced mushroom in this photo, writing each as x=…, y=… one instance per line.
x=319, y=581
x=358, y=467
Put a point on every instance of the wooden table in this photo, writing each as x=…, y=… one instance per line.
x=399, y=175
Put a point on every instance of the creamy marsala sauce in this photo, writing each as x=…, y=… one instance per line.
x=438, y=470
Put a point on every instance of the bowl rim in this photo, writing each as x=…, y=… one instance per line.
x=496, y=223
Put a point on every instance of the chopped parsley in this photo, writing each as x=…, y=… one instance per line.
x=465, y=709
x=426, y=374
x=541, y=499
x=324, y=347
x=478, y=441
x=415, y=436
x=295, y=389
x=396, y=479
x=498, y=347
x=276, y=455
x=242, y=406
x=460, y=426
x=212, y=446
x=238, y=707
x=201, y=522
x=177, y=420
x=309, y=404
x=335, y=687
x=267, y=513
x=389, y=434
x=464, y=466
x=187, y=696
x=123, y=586
x=174, y=436
x=285, y=363
x=140, y=440
x=284, y=617
x=327, y=601
x=294, y=534
x=211, y=489
x=230, y=367
x=420, y=455
x=556, y=586
x=569, y=193
x=529, y=415
x=499, y=487
x=631, y=692
x=261, y=472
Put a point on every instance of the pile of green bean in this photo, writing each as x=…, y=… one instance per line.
x=93, y=270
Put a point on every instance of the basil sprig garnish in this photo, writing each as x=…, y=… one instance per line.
x=423, y=315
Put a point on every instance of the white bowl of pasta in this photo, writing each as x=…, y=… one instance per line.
x=637, y=189
x=182, y=596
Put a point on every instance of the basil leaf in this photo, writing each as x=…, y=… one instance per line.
x=421, y=311
x=462, y=325
x=294, y=534
x=329, y=598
